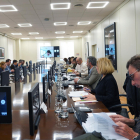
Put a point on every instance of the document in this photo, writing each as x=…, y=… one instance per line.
x=83, y=101
x=101, y=122
x=77, y=93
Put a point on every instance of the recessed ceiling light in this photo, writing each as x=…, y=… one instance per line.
x=7, y=8
x=84, y=23
x=60, y=37
x=25, y=38
x=77, y=31
x=60, y=32
x=60, y=23
x=33, y=33
x=16, y=33
x=25, y=25
x=38, y=37
x=4, y=26
x=97, y=4
x=60, y=6
x=73, y=36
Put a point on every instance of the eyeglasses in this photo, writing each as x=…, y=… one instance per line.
x=132, y=75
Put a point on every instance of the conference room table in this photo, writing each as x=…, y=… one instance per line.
x=51, y=127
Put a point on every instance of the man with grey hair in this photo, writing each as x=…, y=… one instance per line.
x=81, y=68
x=93, y=77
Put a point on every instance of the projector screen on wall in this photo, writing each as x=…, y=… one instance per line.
x=2, y=53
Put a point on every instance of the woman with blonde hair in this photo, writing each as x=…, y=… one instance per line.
x=2, y=66
x=106, y=90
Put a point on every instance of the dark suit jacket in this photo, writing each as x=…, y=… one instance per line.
x=107, y=92
x=13, y=66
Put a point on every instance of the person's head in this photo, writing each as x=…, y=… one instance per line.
x=133, y=66
x=15, y=62
x=8, y=62
x=65, y=59
x=79, y=60
x=69, y=59
x=23, y=61
x=3, y=65
x=91, y=61
x=74, y=61
x=104, y=66
x=48, y=52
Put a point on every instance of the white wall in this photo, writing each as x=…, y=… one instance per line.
x=127, y=18
x=10, y=48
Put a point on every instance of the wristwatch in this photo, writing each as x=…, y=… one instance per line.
x=135, y=138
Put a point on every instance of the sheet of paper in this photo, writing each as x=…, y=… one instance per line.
x=76, y=99
x=44, y=107
x=82, y=102
x=49, y=92
x=77, y=93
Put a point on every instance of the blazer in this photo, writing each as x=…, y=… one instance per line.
x=92, y=79
x=13, y=66
x=107, y=92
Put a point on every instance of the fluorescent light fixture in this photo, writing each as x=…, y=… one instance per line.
x=4, y=26
x=38, y=37
x=33, y=33
x=7, y=8
x=97, y=4
x=16, y=33
x=25, y=38
x=111, y=31
x=77, y=31
x=73, y=36
x=25, y=25
x=60, y=6
x=60, y=37
x=83, y=22
x=60, y=23
x=60, y=32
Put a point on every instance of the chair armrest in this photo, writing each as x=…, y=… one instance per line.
x=125, y=95
x=121, y=105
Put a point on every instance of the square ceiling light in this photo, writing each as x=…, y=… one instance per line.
x=25, y=25
x=4, y=26
x=60, y=23
x=60, y=37
x=38, y=37
x=16, y=33
x=33, y=33
x=97, y=4
x=60, y=6
x=83, y=22
x=77, y=31
x=25, y=38
x=73, y=36
x=7, y=8
x=60, y=32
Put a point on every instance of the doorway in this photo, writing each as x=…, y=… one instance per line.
x=94, y=50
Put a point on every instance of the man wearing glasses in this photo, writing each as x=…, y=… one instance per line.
x=125, y=125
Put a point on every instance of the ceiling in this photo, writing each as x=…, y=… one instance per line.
x=35, y=11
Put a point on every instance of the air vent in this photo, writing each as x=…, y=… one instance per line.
x=78, y=5
x=46, y=19
x=71, y=25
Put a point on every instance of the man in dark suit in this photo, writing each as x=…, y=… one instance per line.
x=8, y=62
x=93, y=77
x=15, y=64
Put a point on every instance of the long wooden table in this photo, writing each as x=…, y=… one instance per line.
x=51, y=127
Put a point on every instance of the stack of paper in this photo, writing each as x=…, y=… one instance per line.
x=83, y=101
x=101, y=122
x=77, y=93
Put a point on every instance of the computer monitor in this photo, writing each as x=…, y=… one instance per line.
x=45, y=88
x=36, y=64
x=5, y=105
x=30, y=68
x=5, y=78
x=26, y=63
x=33, y=66
x=17, y=74
x=34, y=108
x=49, y=79
x=30, y=62
x=24, y=71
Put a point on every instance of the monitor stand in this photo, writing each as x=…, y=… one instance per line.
x=37, y=122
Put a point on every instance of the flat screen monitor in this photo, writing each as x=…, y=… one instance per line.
x=45, y=88
x=27, y=64
x=5, y=78
x=30, y=68
x=34, y=108
x=5, y=105
x=24, y=71
x=36, y=64
x=2, y=53
x=30, y=62
x=110, y=44
x=17, y=74
x=49, y=79
x=56, y=51
x=46, y=51
x=33, y=66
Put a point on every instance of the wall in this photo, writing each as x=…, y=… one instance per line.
x=127, y=35
x=10, y=48
x=29, y=48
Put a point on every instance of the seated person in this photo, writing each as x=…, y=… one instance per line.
x=2, y=66
x=125, y=125
x=106, y=90
x=15, y=64
x=73, y=61
x=8, y=62
x=93, y=77
x=66, y=61
x=81, y=68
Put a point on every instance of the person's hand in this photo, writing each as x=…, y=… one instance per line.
x=12, y=70
x=76, y=79
x=89, y=97
x=125, y=131
x=77, y=73
x=86, y=89
x=73, y=70
x=119, y=118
